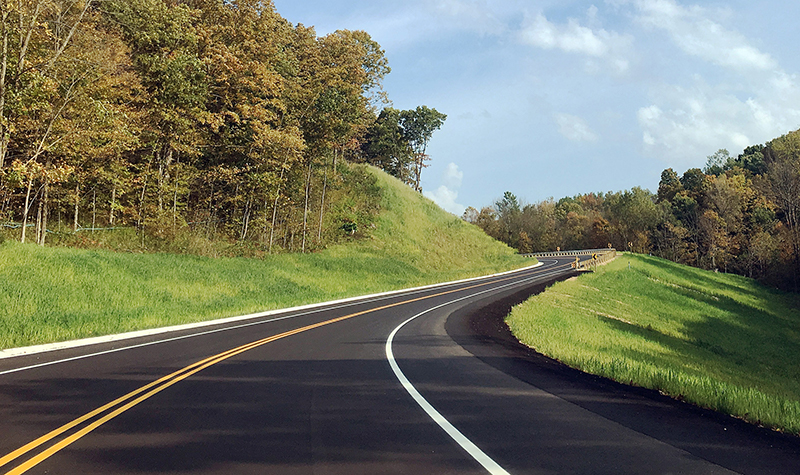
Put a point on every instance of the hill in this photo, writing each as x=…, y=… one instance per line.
x=717, y=340
x=54, y=293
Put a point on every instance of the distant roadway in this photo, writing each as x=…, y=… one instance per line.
x=421, y=382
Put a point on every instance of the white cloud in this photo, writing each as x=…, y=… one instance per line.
x=447, y=193
x=749, y=99
x=471, y=14
x=573, y=37
x=574, y=128
x=452, y=176
x=693, y=31
x=686, y=123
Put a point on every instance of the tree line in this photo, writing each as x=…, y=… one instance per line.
x=737, y=214
x=213, y=117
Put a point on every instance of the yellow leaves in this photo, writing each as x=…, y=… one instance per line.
x=32, y=170
x=787, y=147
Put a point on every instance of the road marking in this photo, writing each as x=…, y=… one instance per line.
x=345, y=303
x=31, y=350
x=159, y=385
x=473, y=450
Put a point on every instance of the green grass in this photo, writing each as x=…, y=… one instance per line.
x=716, y=340
x=55, y=294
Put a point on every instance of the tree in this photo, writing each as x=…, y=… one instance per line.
x=669, y=186
x=633, y=214
x=508, y=213
x=539, y=222
x=719, y=162
x=695, y=182
x=386, y=147
x=752, y=160
x=470, y=215
x=418, y=127
x=164, y=40
x=782, y=159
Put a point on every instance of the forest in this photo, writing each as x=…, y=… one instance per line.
x=193, y=121
x=737, y=214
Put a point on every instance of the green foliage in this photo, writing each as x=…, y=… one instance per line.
x=717, y=340
x=669, y=186
x=716, y=164
x=397, y=141
x=386, y=147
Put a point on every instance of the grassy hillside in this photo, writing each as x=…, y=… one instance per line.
x=54, y=294
x=717, y=340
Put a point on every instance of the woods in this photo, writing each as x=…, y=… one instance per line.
x=738, y=214
x=204, y=120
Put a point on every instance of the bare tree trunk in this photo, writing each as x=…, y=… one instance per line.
x=94, y=209
x=3, y=71
x=160, y=182
x=175, y=202
x=322, y=201
x=77, y=203
x=266, y=220
x=113, y=201
x=275, y=208
x=418, y=171
x=210, y=208
x=39, y=221
x=305, y=207
x=246, y=217
x=25, y=209
x=140, y=221
x=43, y=212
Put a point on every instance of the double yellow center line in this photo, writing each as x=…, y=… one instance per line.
x=133, y=398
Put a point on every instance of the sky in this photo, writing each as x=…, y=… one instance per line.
x=558, y=98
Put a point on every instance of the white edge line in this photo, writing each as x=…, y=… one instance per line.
x=473, y=450
x=30, y=350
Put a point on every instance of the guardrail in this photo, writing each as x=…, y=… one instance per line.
x=581, y=252
x=599, y=256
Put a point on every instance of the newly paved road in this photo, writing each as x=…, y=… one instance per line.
x=328, y=391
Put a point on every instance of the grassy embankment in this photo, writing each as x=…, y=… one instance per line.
x=716, y=340
x=55, y=294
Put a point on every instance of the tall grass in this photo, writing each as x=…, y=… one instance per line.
x=717, y=340
x=54, y=294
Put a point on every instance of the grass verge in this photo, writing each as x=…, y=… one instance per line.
x=716, y=340
x=56, y=294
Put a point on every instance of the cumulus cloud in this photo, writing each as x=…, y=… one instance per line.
x=750, y=100
x=693, y=30
x=574, y=128
x=573, y=37
x=447, y=193
x=684, y=123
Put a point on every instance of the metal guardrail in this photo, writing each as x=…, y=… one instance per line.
x=581, y=252
x=599, y=256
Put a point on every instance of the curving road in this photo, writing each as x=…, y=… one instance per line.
x=425, y=381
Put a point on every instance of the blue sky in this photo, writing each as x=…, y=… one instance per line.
x=555, y=98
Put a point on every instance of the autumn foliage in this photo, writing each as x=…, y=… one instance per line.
x=738, y=214
x=213, y=118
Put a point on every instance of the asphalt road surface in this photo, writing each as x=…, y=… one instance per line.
x=422, y=382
